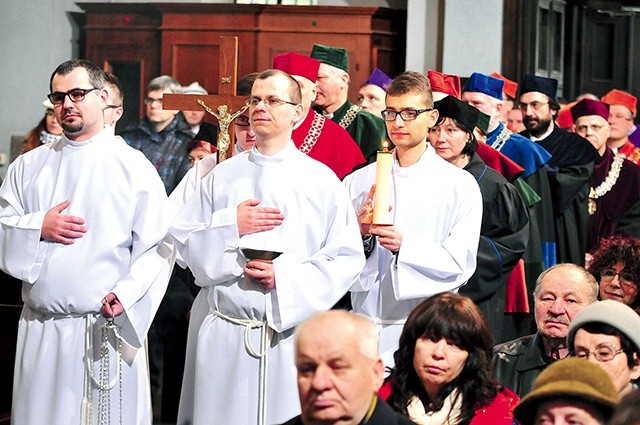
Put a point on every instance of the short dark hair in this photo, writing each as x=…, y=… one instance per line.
x=96, y=75
x=472, y=144
x=244, y=84
x=411, y=82
x=294, y=88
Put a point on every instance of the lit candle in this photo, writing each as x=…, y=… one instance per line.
x=382, y=196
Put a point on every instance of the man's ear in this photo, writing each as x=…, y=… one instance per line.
x=378, y=372
x=432, y=116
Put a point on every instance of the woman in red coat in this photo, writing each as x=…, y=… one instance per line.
x=442, y=371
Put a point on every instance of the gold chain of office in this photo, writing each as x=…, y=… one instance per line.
x=608, y=183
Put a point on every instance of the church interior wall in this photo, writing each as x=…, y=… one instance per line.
x=41, y=35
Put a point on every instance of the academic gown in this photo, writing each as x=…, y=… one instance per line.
x=438, y=207
x=327, y=142
x=569, y=171
x=503, y=238
x=368, y=130
x=123, y=201
x=322, y=255
x=536, y=193
x=618, y=210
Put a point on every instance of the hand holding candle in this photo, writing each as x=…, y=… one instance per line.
x=382, y=196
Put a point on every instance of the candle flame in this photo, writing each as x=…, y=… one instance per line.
x=385, y=146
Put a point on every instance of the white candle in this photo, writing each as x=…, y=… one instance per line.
x=382, y=196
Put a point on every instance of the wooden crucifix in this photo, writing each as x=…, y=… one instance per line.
x=224, y=106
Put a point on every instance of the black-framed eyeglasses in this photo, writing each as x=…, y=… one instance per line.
x=241, y=120
x=76, y=95
x=270, y=102
x=625, y=278
x=151, y=100
x=534, y=105
x=602, y=353
x=405, y=114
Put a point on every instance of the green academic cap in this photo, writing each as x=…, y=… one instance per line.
x=334, y=56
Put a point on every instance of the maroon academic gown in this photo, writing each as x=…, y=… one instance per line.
x=327, y=142
x=617, y=211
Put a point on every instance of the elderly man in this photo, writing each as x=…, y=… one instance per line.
x=607, y=333
x=268, y=200
x=340, y=372
x=162, y=134
x=331, y=100
x=81, y=224
x=622, y=111
x=570, y=166
x=318, y=137
x=614, y=195
x=561, y=292
x=440, y=219
x=571, y=391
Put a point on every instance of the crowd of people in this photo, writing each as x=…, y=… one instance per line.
x=489, y=257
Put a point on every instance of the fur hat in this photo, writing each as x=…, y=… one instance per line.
x=194, y=88
x=569, y=378
x=612, y=313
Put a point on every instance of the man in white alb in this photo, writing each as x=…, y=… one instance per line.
x=81, y=224
x=275, y=198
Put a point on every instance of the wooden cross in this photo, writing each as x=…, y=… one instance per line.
x=226, y=102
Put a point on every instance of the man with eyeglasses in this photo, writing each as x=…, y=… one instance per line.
x=560, y=293
x=162, y=134
x=607, y=333
x=486, y=93
x=436, y=212
x=319, y=137
x=614, y=186
x=81, y=224
x=622, y=111
x=569, y=169
x=332, y=101
x=274, y=199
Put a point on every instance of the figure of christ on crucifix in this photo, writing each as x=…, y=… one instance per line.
x=229, y=106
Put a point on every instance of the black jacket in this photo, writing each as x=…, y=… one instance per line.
x=517, y=363
x=382, y=415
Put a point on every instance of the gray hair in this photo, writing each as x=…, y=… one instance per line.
x=341, y=320
x=164, y=82
x=586, y=279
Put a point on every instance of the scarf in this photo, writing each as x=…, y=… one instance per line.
x=448, y=415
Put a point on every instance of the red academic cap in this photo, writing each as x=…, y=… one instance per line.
x=589, y=107
x=444, y=83
x=619, y=97
x=296, y=64
x=510, y=87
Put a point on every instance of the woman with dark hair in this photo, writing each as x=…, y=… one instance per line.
x=47, y=130
x=504, y=233
x=442, y=373
x=616, y=267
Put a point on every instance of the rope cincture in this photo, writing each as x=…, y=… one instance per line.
x=265, y=342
